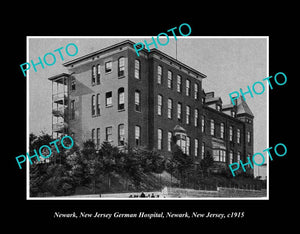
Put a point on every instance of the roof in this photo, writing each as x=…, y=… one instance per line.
x=213, y=99
x=243, y=108
x=177, y=61
x=131, y=43
x=227, y=106
x=178, y=128
x=58, y=76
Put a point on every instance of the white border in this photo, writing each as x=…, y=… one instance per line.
x=143, y=199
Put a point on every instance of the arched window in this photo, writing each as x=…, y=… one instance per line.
x=196, y=147
x=93, y=136
x=137, y=69
x=121, y=66
x=222, y=130
x=137, y=100
x=98, y=104
x=212, y=127
x=159, y=139
x=170, y=108
x=121, y=99
x=93, y=75
x=159, y=74
x=170, y=80
x=137, y=135
x=121, y=134
x=98, y=74
x=170, y=141
x=93, y=105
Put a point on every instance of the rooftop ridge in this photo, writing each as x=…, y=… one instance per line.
x=152, y=51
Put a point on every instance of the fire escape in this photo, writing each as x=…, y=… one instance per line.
x=60, y=105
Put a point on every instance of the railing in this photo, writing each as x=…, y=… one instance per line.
x=60, y=98
x=59, y=127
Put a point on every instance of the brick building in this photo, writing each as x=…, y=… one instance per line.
x=152, y=101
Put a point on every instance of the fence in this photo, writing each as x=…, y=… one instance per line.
x=219, y=192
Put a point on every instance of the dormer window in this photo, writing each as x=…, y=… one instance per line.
x=233, y=113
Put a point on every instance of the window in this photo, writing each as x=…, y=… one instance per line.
x=219, y=155
x=109, y=134
x=108, y=67
x=248, y=137
x=159, y=139
x=93, y=136
x=121, y=99
x=222, y=155
x=183, y=143
x=212, y=127
x=137, y=69
x=188, y=146
x=196, y=116
x=179, y=112
x=202, y=123
x=169, y=141
x=72, y=110
x=108, y=99
x=121, y=66
x=137, y=135
x=238, y=156
x=216, y=155
x=196, y=91
x=202, y=150
x=230, y=156
x=179, y=83
x=98, y=138
x=93, y=75
x=73, y=84
x=159, y=104
x=159, y=74
x=188, y=87
x=98, y=104
x=170, y=108
x=93, y=105
x=121, y=134
x=238, y=136
x=137, y=100
x=230, y=133
x=188, y=114
x=218, y=107
x=98, y=74
x=196, y=148
x=170, y=80
x=232, y=113
x=222, y=130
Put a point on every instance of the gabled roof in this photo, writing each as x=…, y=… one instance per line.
x=243, y=108
x=179, y=129
x=227, y=106
x=213, y=99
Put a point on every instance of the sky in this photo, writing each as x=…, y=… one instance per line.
x=230, y=63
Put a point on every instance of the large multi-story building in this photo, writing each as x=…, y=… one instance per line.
x=152, y=101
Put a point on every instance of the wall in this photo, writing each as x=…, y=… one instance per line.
x=84, y=121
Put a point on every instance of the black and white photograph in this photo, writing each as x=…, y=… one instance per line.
x=159, y=122
x=154, y=120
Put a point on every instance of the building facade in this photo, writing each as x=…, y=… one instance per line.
x=152, y=101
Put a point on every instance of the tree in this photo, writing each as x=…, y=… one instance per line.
x=184, y=163
x=109, y=156
x=207, y=162
x=37, y=172
x=91, y=163
x=76, y=166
